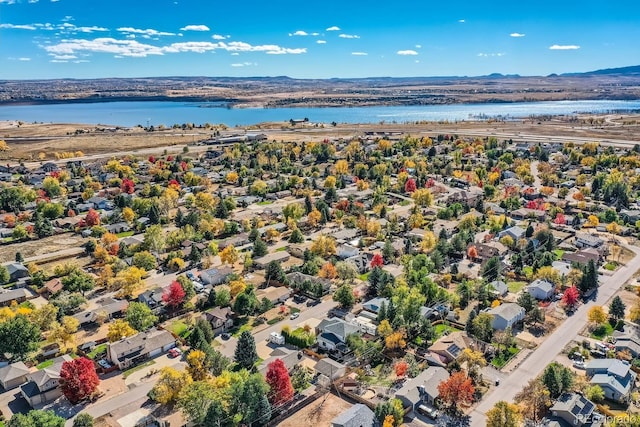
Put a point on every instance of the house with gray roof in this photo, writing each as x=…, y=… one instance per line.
x=135, y=349
x=11, y=376
x=498, y=288
x=423, y=388
x=374, y=304
x=575, y=410
x=628, y=340
x=515, y=232
x=215, y=276
x=541, y=289
x=17, y=271
x=614, y=376
x=43, y=384
x=332, y=332
x=506, y=315
x=358, y=415
x=584, y=240
x=18, y=295
x=289, y=357
x=330, y=368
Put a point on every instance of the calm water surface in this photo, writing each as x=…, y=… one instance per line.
x=168, y=113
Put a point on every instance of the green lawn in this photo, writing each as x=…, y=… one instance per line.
x=378, y=378
x=515, y=287
x=610, y=266
x=602, y=331
x=558, y=253
x=125, y=234
x=528, y=271
x=364, y=277
x=137, y=368
x=246, y=326
x=275, y=320
x=264, y=202
x=441, y=329
x=502, y=359
x=404, y=203
x=282, y=249
x=178, y=327
x=45, y=364
x=97, y=350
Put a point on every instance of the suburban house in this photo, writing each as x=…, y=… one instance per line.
x=275, y=295
x=498, y=288
x=628, y=340
x=506, y=315
x=576, y=410
x=582, y=256
x=51, y=287
x=221, y=319
x=423, y=388
x=17, y=271
x=108, y=309
x=7, y=297
x=289, y=357
x=144, y=345
x=42, y=385
x=362, y=262
x=152, y=297
x=358, y=415
x=278, y=257
x=483, y=252
x=298, y=278
x=541, y=289
x=215, y=276
x=614, y=376
x=449, y=347
x=347, y=251
x=374, y=304
x=329, y=368
x=515, y=232
x=332, y=332
x=11, y=376
x=584, y=240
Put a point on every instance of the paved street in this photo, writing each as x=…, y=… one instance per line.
x=319, y=311
x=553, y=345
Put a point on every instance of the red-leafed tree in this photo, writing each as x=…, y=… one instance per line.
x=174, y=295
x=457, y=390
x=410, y=185
x=78, y=379
x=280, y=388
x=401, y=368
x=377, y=261
x=430, y=183
x=127, y=186
x=472, y=252
x=174, y=184
x=571, y=296
x=169, y=158
x=560, y=219
x=152, y=159
x=92, y=218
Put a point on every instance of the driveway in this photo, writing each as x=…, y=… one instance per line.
x=555, y=342
x=149, y=372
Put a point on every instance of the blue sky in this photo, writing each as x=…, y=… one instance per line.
x=321, y=39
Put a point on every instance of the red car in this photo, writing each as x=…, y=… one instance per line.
x=175, y=352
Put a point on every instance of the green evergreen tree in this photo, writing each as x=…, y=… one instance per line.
x=260, y=248
x=617, y=308
x=246, y=355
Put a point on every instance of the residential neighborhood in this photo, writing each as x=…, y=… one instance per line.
x=365, y=281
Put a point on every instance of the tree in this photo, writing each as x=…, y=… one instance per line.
x=128, y=281
x=395, y=341
x=154, y=238
x=140, y=316
x=392, y=407
x=78, y=281
x=475, y=361
x=229, y=255
x=18, y=337
x=557, y=379
x=595, y=393
x=617, y=308
x=482, y=327
x=570, y=297
x=526, y=301
x=455, y=391
x=504, y=414
x=422, y=197
x=174, y=295
x=384, y=328
x=36, y=418
x=472, y=252
x=144, y=260
x=597, y=315
x=4, y=275
x=296, y=236
x=78, y=379
x=245, y=354
x=280, y=388
x=389, y=421
x=401, y=368
x=83, y=420
x=92, y=218
x=344, y=296
x=534, y=399
x=328, y=271
x=195, y=400
x=197, y=365
x=259, y=248
x=119, y=329
x=377, y=261
x=170, y=385
x=62, y=332
x=492, y=269
x=274, y=272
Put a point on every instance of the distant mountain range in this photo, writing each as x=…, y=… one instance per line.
x=633, y=70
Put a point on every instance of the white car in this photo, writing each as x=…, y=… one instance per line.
x=294, y=316
x=579, y=364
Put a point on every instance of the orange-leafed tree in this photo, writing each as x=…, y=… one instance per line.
x=280, y=388
x=472, y=252
x=328, y=271
x=401, y=368
x=456, y=391
x=92, y=218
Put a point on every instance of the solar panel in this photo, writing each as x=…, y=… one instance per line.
x=588, y=408
x=454, y=349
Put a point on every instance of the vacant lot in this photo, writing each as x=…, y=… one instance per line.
x=319, y=413
x=41, y=247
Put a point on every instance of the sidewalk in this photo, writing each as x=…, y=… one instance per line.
x=513, y=364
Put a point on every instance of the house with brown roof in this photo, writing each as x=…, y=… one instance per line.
x=450, y=347
x=220, y=318
x=135, y=349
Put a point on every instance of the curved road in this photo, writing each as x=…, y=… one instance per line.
x=555, y=343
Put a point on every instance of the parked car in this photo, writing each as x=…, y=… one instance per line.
x=175, y=352
x=598, y=354
x=104, y=364
x=298, y=299
x=579, y=364
x=294, y=316
x=225, y=335
x=190, y=275
x=428, y=411
x=313, y=302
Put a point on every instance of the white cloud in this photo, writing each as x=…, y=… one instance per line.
x=348, y=36
x=58, y=61
x=133, y=48
x=321, y=41
x=24, y=59
x=244, y=64
x=334, y=28
x=64, y=57
x=218, y=37
x=195, y=28
x=462, y=21
x=517, y=35
x=315, y=34
x=564, y=47
x=487, y=55
x=407, y=52
x=235, y=54
x=418, y=46
x=359, y=53
x=80, y=61
x=88, y=29
x=299, y=33
x=148, y=32
x=7, y=1
x=18, y=26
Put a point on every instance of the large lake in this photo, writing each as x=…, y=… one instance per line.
x=168, y=113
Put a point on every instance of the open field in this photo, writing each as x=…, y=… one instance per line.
x=27, y=141
x=319, y=413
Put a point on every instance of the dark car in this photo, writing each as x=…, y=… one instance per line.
x=225, y=335
x=299, y=299
x=598, y=354
x=313, y=302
